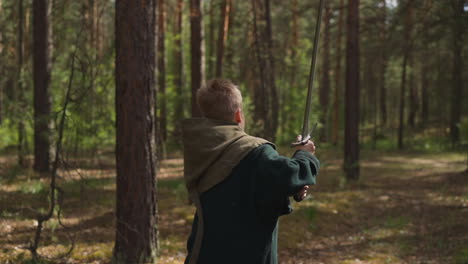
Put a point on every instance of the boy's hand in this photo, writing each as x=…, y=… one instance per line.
x=309, y=146
x=301, y=195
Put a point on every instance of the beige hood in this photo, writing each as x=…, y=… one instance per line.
x=212, y=148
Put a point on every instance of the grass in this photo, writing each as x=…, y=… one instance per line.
x=408, y=207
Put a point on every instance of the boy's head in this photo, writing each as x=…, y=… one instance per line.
x=222, y=100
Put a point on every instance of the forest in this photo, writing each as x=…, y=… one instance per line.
x=93, y=95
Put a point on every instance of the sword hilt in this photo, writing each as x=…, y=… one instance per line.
x=305, y=139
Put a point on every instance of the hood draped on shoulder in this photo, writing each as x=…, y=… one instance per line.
x=212, y=148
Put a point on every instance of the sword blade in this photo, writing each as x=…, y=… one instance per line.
x=305, y=126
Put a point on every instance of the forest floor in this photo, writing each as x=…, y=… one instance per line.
x=407, y=207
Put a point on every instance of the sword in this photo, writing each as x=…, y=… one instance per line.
x=306, y=133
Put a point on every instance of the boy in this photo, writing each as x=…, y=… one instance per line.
x=239, y=184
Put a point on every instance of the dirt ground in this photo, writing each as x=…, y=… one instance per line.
x=406, y=208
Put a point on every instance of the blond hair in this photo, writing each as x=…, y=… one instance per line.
x=219, y=99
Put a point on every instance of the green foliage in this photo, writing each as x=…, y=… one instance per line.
x=396, y=222
x=22, y=258
x=462, y=256
x=311, y=215
x=33, y=187
x=464, y=130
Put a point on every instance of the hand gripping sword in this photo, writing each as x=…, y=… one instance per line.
x=306, y=133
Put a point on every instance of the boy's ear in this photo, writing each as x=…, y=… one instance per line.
x=238, y=116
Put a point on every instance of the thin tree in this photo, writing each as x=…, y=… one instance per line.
x=413, y=97
x=162, y=70
x=1, y=66
x=338, y=85
x=352, y=94
x=222, y=36
x=42, y=69
x=136, y=39
x=406, y=55
x=211, y=41
x=178, y=71
x=266, y=99
x=457, y=72
x=324, y=91
x=20, y=89
x=383, y=63
x=425, y=82
x=197, y=52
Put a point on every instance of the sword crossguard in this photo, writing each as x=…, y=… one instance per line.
x=305, y=139
x=302, y=142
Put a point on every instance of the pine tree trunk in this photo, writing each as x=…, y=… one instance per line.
x=424, y=92
x=222, y=36
x=136, y=38
x=402, y=102
x=324, y=90
x=338, y=85
x=266, y=99
x=406, y=59
x=178, y=72
x=457, y=72
x=162, y=70
x=42, y=71
x=383, y=65
x=413, y=98
x=197, y=52
x=1, y=67
x=20, y=87
x=352, y=94
x=211, y=42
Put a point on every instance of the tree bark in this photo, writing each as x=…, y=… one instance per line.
x=383, y=65
x=42, y=71
x=457, y=72
x=352, y=94
x=211, y=41
x=266, y=99
x=136, y=39
x=324, y=90
x=413, y=97
x=402, y=102
x=162, y=70
x=222, y=36
x=178, y=72
x=338, y=89
x=20, y=88
x=1, y=67
x=425, y=91
x=197, y=52
x=406, y=58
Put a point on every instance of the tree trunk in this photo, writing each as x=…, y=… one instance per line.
x=20, y=88
x=1, y=67
x=383, y=65
x=413, y=97
x=402, y=102
x=222, y=36
x=266, y=96
x=178, y=72
x=162, y=70
x=197, y=52
x=352, y=94
x=406, y=55
x=136, y=38
x=425, y=91
x=457, y=72
x=42, y=70
x=338, y=89
x=211, y=42
x=324, y=90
